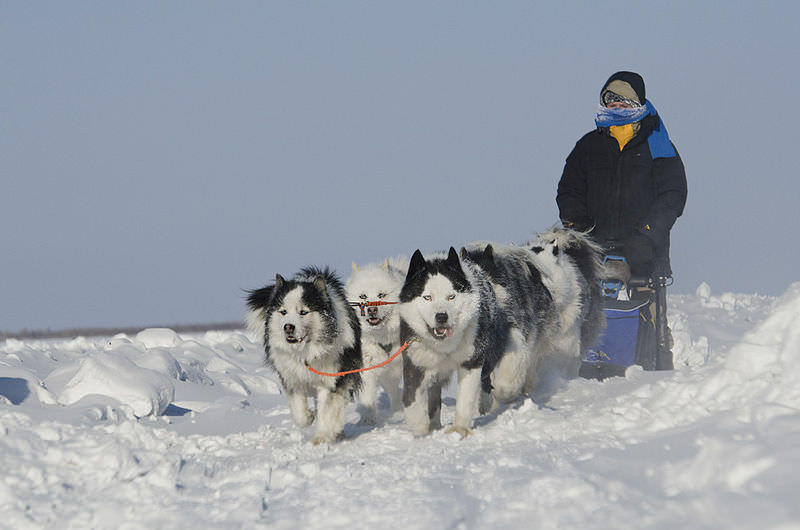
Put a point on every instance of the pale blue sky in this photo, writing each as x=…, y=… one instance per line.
x=157, y=158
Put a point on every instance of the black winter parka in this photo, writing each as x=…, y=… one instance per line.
x=623, y=194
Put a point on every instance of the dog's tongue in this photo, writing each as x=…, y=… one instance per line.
x=445, y=331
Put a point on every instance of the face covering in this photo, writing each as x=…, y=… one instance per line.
x=658, y=139
x=623, y=133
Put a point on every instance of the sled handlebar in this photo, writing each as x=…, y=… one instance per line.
x=645, y=281
x=639, y=281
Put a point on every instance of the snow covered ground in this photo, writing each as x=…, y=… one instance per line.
x=161, y=430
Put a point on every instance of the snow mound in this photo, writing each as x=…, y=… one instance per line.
x=17, y=385
x=158, y=338
x=145, y=391
x=768, y=357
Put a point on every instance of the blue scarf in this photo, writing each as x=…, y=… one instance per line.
x=659, y=142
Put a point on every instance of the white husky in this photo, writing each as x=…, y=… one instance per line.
x=380, y=331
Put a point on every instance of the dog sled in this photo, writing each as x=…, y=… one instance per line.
x=636, y=324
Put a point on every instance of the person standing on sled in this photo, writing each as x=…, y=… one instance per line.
x=624, y=180
x=625, y=183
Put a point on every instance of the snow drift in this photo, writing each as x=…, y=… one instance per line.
x=162, y=430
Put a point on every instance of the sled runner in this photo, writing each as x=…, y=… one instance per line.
x=636, y=325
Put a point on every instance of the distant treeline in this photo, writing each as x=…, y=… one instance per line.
x=98, y=332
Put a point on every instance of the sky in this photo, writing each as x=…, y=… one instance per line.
x=159, y=159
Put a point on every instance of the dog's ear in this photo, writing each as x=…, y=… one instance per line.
x=319, y=285
x=488, y=253
x=463, y=252
x=555, y=248
x=385, y=265
x=486, y=260
x=459, y=279
x=279, y=281
x=452, y=260
x=417, y=265
x=355, y=267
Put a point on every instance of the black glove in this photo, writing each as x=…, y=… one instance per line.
x=638, y=250
x=661, y=268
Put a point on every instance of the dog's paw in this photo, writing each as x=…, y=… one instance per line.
x=367, y=421
x=304, y=420
x=368, y=416
x=327, y=438
x=463, y=431
x=487, y=403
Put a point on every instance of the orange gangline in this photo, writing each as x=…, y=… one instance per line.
x=384, y=363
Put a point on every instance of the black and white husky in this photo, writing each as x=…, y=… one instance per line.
x=450, y=317
x=306, y=322
x=572, y=269
x=380, y=330
x=550, y=291
x=528, y=305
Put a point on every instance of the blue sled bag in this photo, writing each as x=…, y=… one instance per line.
x=629, y=339
x=630, y=335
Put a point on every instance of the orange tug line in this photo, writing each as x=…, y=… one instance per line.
x=362, y=305
x=384, y=363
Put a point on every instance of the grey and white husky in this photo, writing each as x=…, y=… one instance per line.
x=380, y=331
x=572, y=269
x=528, y=305
x=306, y=322
x=550, y=291
x=451, y=318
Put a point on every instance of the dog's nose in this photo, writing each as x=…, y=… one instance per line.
x=441, y=318
x=372, y=311
x=289, y=328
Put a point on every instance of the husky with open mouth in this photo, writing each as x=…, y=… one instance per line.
x=306, y=322
x=380, y=330
x=453, y=323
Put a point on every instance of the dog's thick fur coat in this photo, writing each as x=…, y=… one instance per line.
x=550, y=291
x=307, y=321
x=453, y=323
x=572, y=269
x=380, y=331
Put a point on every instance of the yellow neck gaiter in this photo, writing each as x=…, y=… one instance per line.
x=623, y=133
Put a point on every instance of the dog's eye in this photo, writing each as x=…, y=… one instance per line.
x=426, y=297
x=363, y=297
x=451, y=297
x=282, y=312
x=303, y=312
x=381, y=295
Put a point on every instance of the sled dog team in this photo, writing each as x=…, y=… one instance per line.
x=489, y=313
